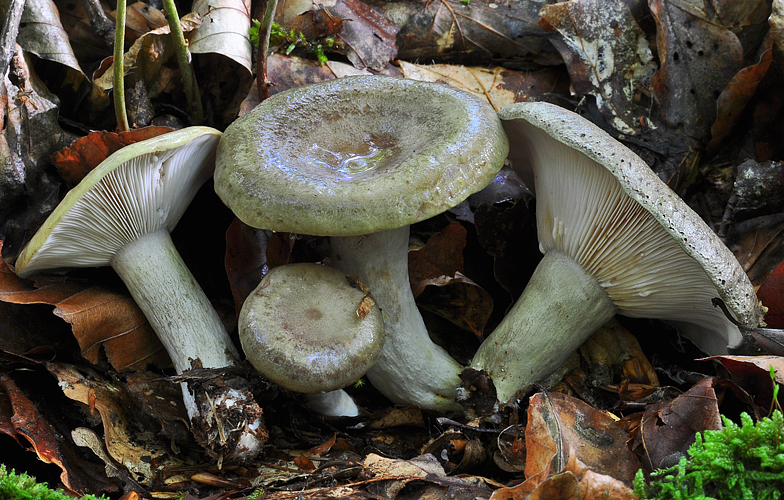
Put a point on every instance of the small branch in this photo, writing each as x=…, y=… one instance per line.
x=118, y=85
x=181, y=49
x=102, y=26
x=264, y=39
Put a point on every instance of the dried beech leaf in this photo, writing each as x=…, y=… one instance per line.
x=698, y=58
x=86, y=153
x=563, y=427
x=127, y=440
x=607, y=56
x=223, y=30
x=98, y=316
x=498, y=85
x=668, y=428
x=42, y=34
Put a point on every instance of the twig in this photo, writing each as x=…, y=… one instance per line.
x=181, y=49
x=264, y=39
x=118, y=85
x=100, y=23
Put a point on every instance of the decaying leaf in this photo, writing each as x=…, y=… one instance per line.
x=98, y=316
x=447, y=31
x=498, y=85
x=86, y=153
x=752, y=373
x=128, y=441
x=573, y=452
x=668, y=429
x=368, y=37
x=607, y=56
x=42, y=34
x=26, y=422
x=698, y=57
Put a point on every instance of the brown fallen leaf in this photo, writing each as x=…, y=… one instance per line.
x=442, y=255
x=86, y=153
x=668, y=429
x=447, y=31
x=246, y=259
x=368, y=37
x=561, y=428
x=752, y=373
x=758, y=244
x=99, y=317
x=698, y=58
x=736, y=96
x=26, y=422
x=607, y=56
x=500, y=86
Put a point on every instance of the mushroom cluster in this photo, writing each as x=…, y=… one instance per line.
x=359, y=159
x=120, y=215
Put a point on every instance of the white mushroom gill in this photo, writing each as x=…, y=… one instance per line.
x=583, y=212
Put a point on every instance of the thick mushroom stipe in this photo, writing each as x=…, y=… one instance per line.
x=361, y=158
x=120, y=214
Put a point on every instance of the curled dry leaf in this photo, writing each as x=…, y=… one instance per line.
x=368, y=37
x=753, y=374
x=607, y=56
x=128, y=442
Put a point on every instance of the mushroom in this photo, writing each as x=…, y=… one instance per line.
x=360, y=159
x=615, y=239
x=120, y=215
x=310, y=329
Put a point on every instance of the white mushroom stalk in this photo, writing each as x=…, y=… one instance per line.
x=411, y=369
x=615, y=239
x=312, y=330
x=359, y=159
x=120, y=214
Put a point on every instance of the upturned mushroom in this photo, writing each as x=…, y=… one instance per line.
x=120, y=215
x=616, y=240
x=311, y=329
x=360, y=159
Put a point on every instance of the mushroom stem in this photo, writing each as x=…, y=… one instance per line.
x=189, y=328
x=332, y=404
x=174, y=303
x=560, y=308
x=411, y=368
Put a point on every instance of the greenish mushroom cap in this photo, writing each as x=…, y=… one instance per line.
x=357, y=155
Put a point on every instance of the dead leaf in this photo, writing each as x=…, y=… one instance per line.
x=127, y=439
x=42, y=34
x=736, y=95
x=442, y=255
x=499, y=86
x=27, y=422
x=246, y=259
x=86, y=153
x=455, y=31
x=368, y=37
x=698, y=58
x=607, y=56
x=758, y=244
x=141, y=18
x=752, y=373
x=668, y=428
x=98, y=316
x=560, y=427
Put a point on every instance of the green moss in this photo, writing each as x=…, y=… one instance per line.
x=23, y=487
x=736, y=462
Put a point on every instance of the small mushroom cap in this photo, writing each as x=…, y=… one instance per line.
x=310, y=329
x=137, y=190
x=602, y=205
x=357, y=155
